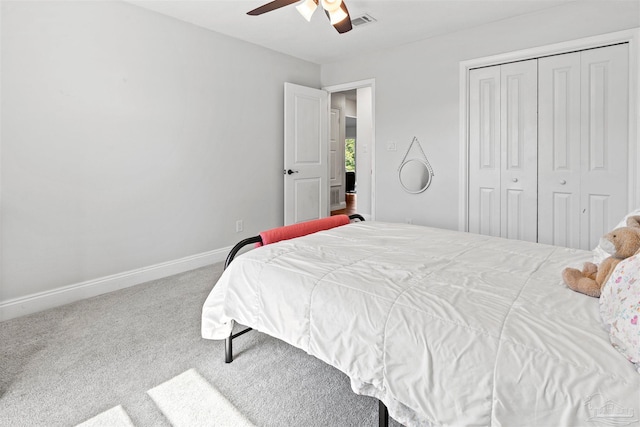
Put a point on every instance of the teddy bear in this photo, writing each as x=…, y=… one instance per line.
x=621, y=243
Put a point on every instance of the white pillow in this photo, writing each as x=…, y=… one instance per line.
x=620, y=308
x=600, y=254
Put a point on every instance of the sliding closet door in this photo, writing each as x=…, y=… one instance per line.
x=583, y=161
x=503, y=151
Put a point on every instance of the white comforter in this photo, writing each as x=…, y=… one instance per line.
x=446, y=328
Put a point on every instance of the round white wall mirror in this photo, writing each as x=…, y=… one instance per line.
x=415, y=175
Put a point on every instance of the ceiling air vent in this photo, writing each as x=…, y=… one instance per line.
x=362, y=20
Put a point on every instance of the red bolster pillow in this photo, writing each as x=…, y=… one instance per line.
x=301, y=229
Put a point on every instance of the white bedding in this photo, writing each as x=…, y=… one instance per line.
x=446, y=328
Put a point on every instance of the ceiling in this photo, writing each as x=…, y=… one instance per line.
x=397, y=22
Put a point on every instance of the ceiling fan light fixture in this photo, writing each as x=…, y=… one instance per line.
x=307, y=8
x=335, y=10
x=337, y=16
x=331, y=5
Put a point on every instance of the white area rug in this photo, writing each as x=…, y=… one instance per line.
x=188, y=400
x=114, y=417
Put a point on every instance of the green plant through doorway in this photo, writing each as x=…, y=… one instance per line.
x=350, y=154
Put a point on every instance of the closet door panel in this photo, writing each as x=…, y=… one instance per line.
x=604, y=135
x=563, y=212
x=514, y=226
x=484, y=151
x=487, y=218
x=598, y=220
x=519, y=154
x=559, y=150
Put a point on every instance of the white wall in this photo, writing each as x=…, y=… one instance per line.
x=129, y=140
x=417, y=94
x=350, y=130
x=351, y=107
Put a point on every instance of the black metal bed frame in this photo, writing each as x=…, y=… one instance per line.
x=383, y=412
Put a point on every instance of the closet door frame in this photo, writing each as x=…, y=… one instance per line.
x=632, y=37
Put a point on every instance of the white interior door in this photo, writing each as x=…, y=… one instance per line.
x=306, y=163
x=335, y=175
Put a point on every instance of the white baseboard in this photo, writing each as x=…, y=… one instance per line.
x=67, y=294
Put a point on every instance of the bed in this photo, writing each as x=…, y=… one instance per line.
x=443, y=327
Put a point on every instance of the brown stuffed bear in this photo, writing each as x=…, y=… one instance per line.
x=621, y=243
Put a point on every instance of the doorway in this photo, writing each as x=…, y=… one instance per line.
x=352, y=187
x=350, y=162
x=349, y=204
x=343, y=152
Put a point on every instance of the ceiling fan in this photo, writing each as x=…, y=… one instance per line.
x=335, y=10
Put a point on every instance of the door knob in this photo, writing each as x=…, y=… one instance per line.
x=563, y=182
x=289, y=172
x=515, y=179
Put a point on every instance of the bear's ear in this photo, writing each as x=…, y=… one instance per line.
x=633, y=221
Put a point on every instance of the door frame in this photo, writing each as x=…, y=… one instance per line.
x=632, y=37
x=370, y=83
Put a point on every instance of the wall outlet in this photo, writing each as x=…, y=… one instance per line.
x=239, y=226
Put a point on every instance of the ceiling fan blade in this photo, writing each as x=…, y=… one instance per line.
x=275, y=4
x=344, y=25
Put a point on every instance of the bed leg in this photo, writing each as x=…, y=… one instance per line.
x=228, y=349
x=383, y=415
x=228, y=345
